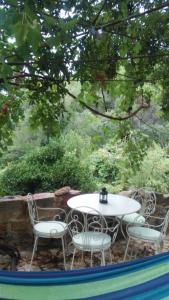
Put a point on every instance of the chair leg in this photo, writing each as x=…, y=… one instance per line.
x=103, y=259
x=125, y=254
x=91, y=259
x=73, y=258
x=131, y=253
x=63, y=248
x=65, y=245
x=158, y=248
x=121, y=228
x=33, y=252
x=110, y=255
x=82, y=258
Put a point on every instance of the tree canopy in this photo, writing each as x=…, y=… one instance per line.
x=117, y=50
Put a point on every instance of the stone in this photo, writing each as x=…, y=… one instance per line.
x=62, y=191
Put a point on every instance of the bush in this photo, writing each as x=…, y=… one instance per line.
x=119, y=160
x=104, y=167
x=75, y=143
x=46, y=169
x=45, y=155
x=154, y=171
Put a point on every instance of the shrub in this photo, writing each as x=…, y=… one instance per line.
x=103, y=164
x=45, y=155
x=118, y=160
x=154, y=171
x=46, y=169
x=74, y=142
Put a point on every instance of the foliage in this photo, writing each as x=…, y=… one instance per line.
x=45, y=169
x=116, y=53
x=72, y=142
x=112, y=48
x=104, y=165
x=135, y=146
x=154, y=170
x=119, y=159
x=11, y=112
x=159, y=133
x=88, y=125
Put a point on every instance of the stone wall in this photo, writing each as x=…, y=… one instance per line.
x=15, y=225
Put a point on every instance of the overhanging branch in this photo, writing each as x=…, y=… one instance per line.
x=134, y=16
x=117, y=118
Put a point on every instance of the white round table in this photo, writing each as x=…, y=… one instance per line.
x=117, y=205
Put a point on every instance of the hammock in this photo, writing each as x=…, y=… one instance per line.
x=146, y=278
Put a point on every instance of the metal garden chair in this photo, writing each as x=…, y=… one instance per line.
x=55, y=228
x=153, y=231
x=147, y=199
x=89, y=232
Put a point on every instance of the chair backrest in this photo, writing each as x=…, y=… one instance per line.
x=165, y=224
x=58, y=214
x=32, y=209
x=147, y=199
x=84, y=218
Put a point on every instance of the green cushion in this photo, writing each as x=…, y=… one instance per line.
x=144, y=233
x=134, y=218
x=92, y=241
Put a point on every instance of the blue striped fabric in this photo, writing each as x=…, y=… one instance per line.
x=85, y=275
x=152, y=273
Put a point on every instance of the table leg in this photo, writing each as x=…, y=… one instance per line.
x=121, y=228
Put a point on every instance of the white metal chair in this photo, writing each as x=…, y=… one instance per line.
x=88, y=230
x=152, y=231
x=56, y=228
x=147, y=199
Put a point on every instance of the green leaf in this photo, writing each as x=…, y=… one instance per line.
x=50, y=20
x=2, y=17
x=5, y=70
x=34, y=37
x=137, y=48
x=123, y=50
x=21, y=32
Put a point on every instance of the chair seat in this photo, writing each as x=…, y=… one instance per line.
x=50, y=229
x=92, y=241
x=144, y=233
x=134, y=218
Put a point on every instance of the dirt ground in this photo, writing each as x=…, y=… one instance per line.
x=49, y=255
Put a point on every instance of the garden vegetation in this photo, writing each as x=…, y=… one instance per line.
x=84, y=95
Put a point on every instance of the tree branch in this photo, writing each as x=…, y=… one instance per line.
x=117, y=118
x=17, y=63
x=134, y=16
x=99, y=12
x=21, y=75
x=118, y=58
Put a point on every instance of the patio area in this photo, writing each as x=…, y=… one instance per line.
x=49, y=253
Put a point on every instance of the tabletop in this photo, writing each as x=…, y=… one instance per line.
x=117, y=205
